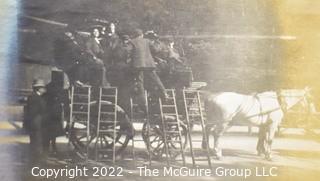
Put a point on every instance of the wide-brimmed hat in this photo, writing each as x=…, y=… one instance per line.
x=38, y=83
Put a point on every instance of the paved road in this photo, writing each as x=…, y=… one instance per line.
x=296, y=157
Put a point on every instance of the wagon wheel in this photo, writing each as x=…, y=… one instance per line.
x=156, y=140
x=107, y=141
x=78, y=139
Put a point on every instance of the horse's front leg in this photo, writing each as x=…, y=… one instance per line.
x=261, y=147
x=269, y=139
x=217, y=133
x=266, y=135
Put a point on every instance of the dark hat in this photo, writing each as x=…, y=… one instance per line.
x=38, y=83
x=125, y=37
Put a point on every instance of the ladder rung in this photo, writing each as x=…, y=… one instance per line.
x=168, y=106
x=108, y=96
x=107, y=131
x=172, y=131
x=82, y=95
x=107, y=112
x=194, y=114
x=101, y=121
x=79, y=112
x=105, y=150
x=189, y=98
x=81, y=122
x=170, y=114
x=81, y=103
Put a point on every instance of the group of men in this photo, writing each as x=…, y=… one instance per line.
x=104, y=56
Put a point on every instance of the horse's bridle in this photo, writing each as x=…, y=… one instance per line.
x=283, y=104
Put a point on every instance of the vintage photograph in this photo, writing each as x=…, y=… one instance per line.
x=159, y=90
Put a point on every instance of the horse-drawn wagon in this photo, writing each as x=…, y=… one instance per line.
x=100, y=128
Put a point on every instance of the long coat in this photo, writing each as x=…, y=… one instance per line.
x=54, y=97
x=35, y=113
x=141, y=54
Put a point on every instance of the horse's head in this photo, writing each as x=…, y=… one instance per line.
x=295, y=99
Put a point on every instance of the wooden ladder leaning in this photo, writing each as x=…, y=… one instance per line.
x=171, y=126
x=194, y=110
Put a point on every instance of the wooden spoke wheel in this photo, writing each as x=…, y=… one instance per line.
x=107, y=141
x=84, y=144
x=155, y=140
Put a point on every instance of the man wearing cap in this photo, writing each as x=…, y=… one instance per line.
x=144, y=65
x=35, y=116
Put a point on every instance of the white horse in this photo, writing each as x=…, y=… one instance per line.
x=265, y=110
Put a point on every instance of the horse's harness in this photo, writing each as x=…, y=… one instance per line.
x=283, y=105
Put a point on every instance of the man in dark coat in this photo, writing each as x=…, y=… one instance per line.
x=56, y=99
x=35, y=116
x=144, y=65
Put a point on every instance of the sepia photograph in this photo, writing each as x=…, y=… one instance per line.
x=159, y=90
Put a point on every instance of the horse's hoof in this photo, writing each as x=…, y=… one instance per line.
x=219, y=158
x=260, y=153
x=268, y=158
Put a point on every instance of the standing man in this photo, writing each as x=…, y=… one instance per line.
x=35, y=117
x=144, y=65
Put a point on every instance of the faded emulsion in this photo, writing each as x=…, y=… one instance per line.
x=159, y=89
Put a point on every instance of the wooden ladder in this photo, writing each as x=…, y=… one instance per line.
x=171, y=126
x=194, y=110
